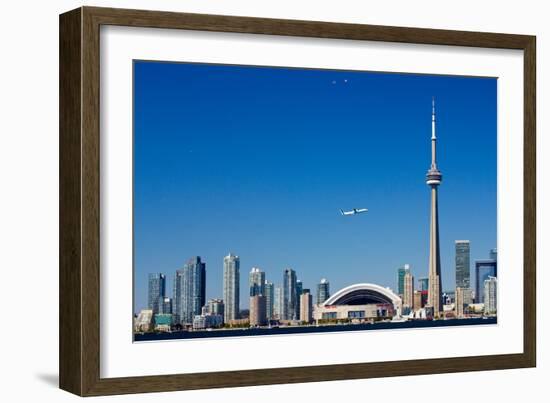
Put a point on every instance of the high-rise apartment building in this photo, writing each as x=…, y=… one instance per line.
x=306, y=306
x=462, y=264
x=401, y=279
x=289, y=295
x=256, y=282
x=408, y=290
x=323, y=291
x=156, y=292
x=490, y=295
x=269, y=299
x=299, y=289
x=190, y=290
x=278, y=303
x=258, y=315
x=484, y=269
x=231, y=278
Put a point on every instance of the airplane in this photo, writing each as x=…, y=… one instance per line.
x=354, y=211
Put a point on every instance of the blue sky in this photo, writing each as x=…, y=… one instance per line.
x=258, y=161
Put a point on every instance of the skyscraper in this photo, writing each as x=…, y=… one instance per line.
x=462, y=264
x=408, y=290
x=323, y=291
x=256, y=282
x=289, y=295
x=269, y=299
x=189, y=290
x=484, y=269
x=231, y=278
x=299, y=289
x=306, y=306
x=278, y=303
x=176, y=297
x=490, y=295
x=401, y=279
x=433, y=180
x=156, y=292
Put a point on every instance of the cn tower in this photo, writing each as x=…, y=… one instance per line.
x=433, y=180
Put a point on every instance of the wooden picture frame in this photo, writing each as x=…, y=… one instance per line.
x=79, y=317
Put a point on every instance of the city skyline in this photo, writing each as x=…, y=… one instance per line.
x=353, y=260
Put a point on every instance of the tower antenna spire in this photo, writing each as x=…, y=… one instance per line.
x=433, y=118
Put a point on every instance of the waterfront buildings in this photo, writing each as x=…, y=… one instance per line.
x=269, y=299
x=490, y=295
x=462, y=264
x=289, y=295
x=256, y=282
x=231, y=278
x=401, y=279
x=258, y=315
x=306, y=306
x=156, y=291
x=484, y=269
x=408, y=290
x=433, y=180
x=208, y=321
x=323, y=291
x=190, y=290
x=163, y=322
x=144, y=321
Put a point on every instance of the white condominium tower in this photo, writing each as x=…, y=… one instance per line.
x=231, y=278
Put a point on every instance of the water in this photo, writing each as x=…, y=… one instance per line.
x=313, y=329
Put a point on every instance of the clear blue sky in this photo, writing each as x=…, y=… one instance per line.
x=258, y=161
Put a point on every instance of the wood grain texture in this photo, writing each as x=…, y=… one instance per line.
x=70, y=275
x=79, y=200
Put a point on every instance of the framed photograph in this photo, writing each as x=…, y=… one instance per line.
x=248, y=201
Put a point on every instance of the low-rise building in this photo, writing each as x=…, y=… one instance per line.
x=207, y=321
x=145, y=321
x=163, y=322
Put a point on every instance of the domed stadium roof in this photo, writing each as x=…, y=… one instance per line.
x=363, y=294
